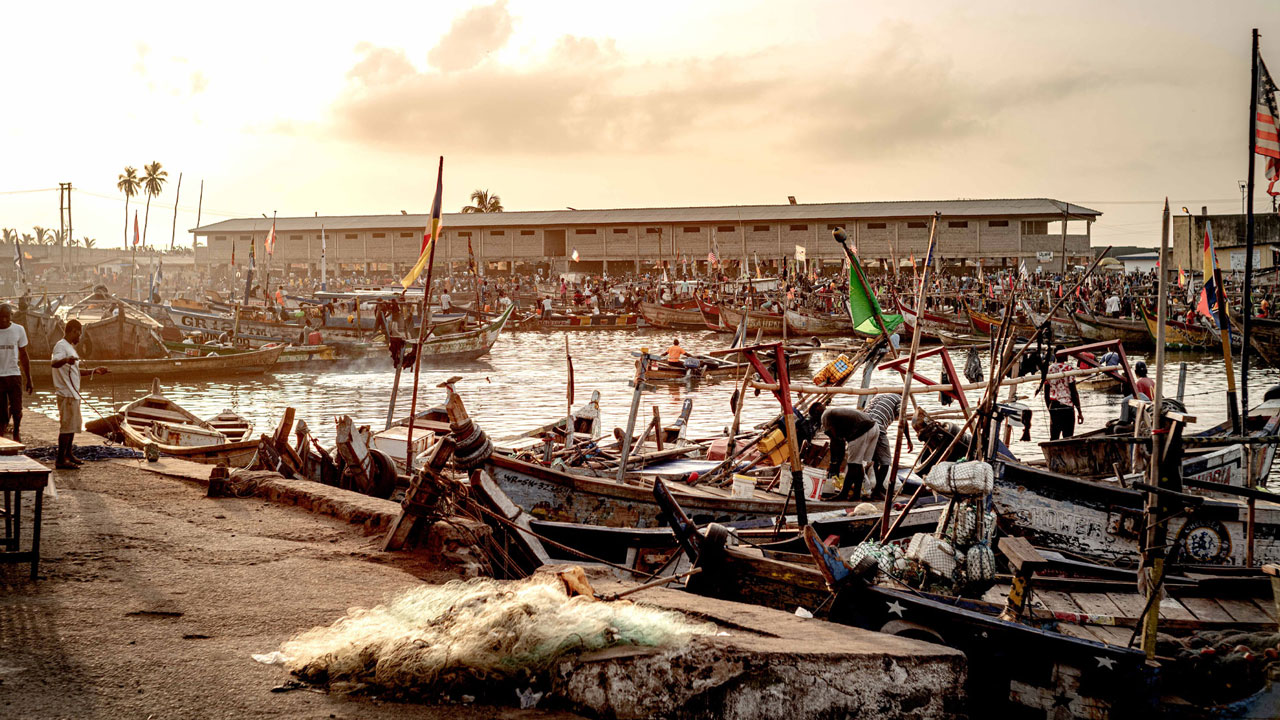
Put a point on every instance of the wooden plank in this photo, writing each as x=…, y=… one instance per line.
x=1130, y=604
x=1267, y=606
x=1100, y=604
x=1206, y=609
x=1055, y=600
x=1244, y=610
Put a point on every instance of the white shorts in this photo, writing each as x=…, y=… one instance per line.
x=69, y=420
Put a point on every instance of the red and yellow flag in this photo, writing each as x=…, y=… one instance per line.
x=432, y=232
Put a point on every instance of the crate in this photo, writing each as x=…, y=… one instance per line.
x=834, y=372
x=773, y=447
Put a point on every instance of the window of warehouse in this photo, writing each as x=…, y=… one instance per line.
x=834, y=227
x=724, y=228
x=960, y=224
x=245, y=237
x=877, y=226
x=619, y=231
x=692, y=230
x=497, y=233
x=220, y=237
x=295, y=237
x=799, y=228
x=408, y=234
x=528, y=232
x=997, y=223
x=917, y=225
x=350, y=236
x=584, y=231
x=760, y=228
x=465, y=234
x=653, y=231
x=379, y=235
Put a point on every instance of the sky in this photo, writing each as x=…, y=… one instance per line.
x=344, y=109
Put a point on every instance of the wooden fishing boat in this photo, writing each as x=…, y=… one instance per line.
x=673, y=316
x=550, y=494
x=1264, y=336
x=247, y=363
x=932, y=327
x=1068, y=651
x=1064, y=325
x=113, y=329
x=1094, y=328
x=467, y=344
x=156, y=420
x=216, y=323
x=291, y=356
x=711, y=315
x=951, y=339
x=1180, y=335
x=798, y=358
x=757, y=320
x=622, y=321
x=808, y=322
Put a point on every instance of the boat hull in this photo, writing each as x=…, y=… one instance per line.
x=255, y=362
x=803, y=323
x=769, y=323
x=662, y=316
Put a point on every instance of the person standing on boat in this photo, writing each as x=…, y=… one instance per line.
x=66, y=388
x=858, y=437
x=15, y=370
x=1113, y=305
x=1062, y=399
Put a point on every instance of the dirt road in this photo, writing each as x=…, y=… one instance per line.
x=152, y=597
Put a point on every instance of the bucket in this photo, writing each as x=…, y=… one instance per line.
x=744, y=486
x=814, y=479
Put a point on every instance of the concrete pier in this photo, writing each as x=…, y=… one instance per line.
x=765, y=664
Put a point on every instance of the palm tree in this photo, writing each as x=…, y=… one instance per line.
x=484, y=202
x=128, y=184
x=89, y=243
x=10, y=236
x=27, y=239
x=152, y=182
x=41, y=235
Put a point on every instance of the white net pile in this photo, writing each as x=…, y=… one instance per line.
x=475, y=635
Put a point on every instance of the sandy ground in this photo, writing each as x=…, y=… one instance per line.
x=152, y=597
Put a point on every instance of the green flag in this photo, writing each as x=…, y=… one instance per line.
x=862, y=303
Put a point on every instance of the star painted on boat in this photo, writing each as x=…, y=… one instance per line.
x=1106, y=662
x=896, y=608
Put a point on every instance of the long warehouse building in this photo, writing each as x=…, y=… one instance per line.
x=997, y=233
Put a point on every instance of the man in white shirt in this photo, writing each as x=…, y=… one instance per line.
x=446, y=301
x=1113, y=306
x=66, y=388
x=15, y=371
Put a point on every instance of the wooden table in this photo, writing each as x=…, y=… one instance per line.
x=18, y=474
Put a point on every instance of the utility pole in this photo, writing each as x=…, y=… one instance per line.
x=64, y=219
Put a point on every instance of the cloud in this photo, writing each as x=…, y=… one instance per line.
x=890, y=98
x=478, y=32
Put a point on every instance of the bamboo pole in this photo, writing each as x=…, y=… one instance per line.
x=424, y=327
x=926, y=389
x=904, y=406
x=1155, y=530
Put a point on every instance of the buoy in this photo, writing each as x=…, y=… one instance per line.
x=693, y=477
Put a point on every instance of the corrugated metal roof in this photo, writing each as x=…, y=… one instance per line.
x=1029, y=207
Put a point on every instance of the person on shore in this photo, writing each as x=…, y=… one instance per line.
x=15, y=371
x=1062, y=400
x=1113, y=306
x=66, y=387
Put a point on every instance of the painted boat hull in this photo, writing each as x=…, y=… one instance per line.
x=249, y=363
x=1132, y=333
x=804, y=323
x=769, y=323
x=466, y=345
x=561, y=497
x=668, y=317
x=1101, y=520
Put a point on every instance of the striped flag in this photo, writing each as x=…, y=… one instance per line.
x=135, y=228
x=432, y=233
x=270, y=242
x=711, y=258
x=1268, y=126
x=1209, y=296
x=1182, y=276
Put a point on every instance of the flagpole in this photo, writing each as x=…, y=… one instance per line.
x=1247, y=302
x=1224, y=326
x=323, y=267
x=425, y=322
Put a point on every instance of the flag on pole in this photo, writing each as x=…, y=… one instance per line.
x=1182, y=276
x=711, y=258
x=432, y=233
x=17, y=261
x=576, y=256
x=323, y=267
x=270, y=242
x=1268, y=126
x=568, y=359
x=248, y=276
x=864, y=310
x=1209, y=295
x=135, y=228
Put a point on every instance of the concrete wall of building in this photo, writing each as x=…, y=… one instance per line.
x=967, y=240
x=1187, y=240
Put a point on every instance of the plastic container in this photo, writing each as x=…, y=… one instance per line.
x=744, y=486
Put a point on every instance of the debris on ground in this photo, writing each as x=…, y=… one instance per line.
x=46, y=453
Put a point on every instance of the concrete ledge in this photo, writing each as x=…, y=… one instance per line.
x=374, y=515
x=771, y=664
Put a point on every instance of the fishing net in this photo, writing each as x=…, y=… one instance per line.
x=967, y=478
x=1219, y=666
x=475, y=636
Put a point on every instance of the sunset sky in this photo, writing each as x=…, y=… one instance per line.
x=343, y=108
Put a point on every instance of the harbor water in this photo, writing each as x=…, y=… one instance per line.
x=520, y=385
